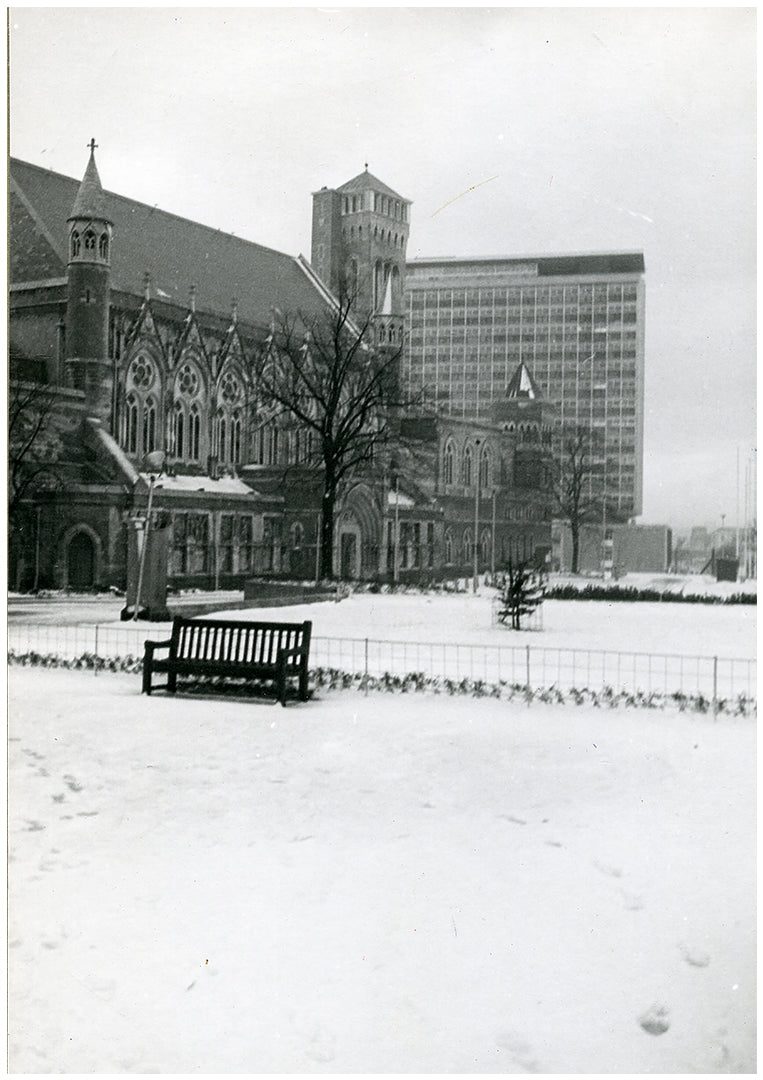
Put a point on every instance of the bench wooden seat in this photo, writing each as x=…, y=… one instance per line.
x=237, y=650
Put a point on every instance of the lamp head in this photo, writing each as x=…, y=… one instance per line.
x=154, y=461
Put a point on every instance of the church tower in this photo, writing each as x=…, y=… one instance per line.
x=88, y=294
x=360, y=236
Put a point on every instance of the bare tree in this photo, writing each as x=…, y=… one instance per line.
x=34, y=445
x=323, y=373
x=34, y=448
x=576, y=503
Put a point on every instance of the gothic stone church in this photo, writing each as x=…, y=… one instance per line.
x=143, y=327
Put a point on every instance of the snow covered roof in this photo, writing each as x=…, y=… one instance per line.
x=403, y=501
x=225, y=485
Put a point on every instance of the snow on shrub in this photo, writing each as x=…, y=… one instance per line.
x=419, y=682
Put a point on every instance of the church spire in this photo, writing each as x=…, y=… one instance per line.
x=90, y=201
x=521, y=384
x=88, y=295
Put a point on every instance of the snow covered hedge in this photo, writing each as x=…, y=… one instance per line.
x=631, y=593
x=419, y=682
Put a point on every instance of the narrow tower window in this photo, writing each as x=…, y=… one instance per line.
x=131, y=424
x=194, y=433
x=75, y=244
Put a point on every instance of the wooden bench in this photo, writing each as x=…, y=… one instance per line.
x=236, y=650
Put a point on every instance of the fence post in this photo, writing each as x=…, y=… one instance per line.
x=95, y=651
x=715, y=687
x=527, y=665
x=365, y=670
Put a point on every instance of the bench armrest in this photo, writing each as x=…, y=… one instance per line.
x=151, y=645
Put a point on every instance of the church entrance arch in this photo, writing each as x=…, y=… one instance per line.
x=349, y=556
x=80, y=562
x=359, y=534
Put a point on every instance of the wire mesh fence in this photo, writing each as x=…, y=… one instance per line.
x=533, y=666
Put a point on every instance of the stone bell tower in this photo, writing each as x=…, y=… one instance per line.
x=360, y=236
x=88, y=294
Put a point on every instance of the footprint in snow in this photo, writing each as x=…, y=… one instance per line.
x=521, y=1051
x=633, y=902
x=610, y=871
x=695, y=957
x=655, y=1019
x=321, y=1043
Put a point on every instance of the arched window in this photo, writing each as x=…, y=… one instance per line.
x=235, y=438
x=485, y=545
x=103, y=246
x=149, y=425
x=89, y=240
x=221, y=436
x=353, y=275
x=467, y=545
x=448, y=463
x=466, y=466
x=485, y=468
x=179, y=440
x=448, y=546
x=131, y=424
x=194, y=433
x=75, y=244
x=297, y=534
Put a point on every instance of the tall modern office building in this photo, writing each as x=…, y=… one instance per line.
x=577, y=323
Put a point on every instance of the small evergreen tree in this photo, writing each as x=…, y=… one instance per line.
x=522, y=591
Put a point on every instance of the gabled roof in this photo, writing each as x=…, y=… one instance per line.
x=176, y=253
x=521, y=384
x=366, y=181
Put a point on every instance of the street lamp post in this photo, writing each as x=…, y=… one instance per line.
x=397, y=526
x=475, y=581
x=492, y=540
x=155, y=462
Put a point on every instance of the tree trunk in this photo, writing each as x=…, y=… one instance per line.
x=327, y=535
x=575, y=530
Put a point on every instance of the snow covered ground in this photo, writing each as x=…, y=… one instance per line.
x=378, y=883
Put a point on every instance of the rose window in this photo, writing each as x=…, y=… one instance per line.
x=142, y=373
x=230, y=389
x=188, y=381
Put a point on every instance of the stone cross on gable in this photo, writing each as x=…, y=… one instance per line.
x=93, y=145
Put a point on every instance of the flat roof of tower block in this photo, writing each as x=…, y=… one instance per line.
x=603, y=262
x=174, y=251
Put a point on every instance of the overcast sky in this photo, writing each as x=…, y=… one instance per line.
x=544, y=130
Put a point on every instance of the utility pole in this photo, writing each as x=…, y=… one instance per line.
x=397, y=526
x=492, y=540
x=475, y=582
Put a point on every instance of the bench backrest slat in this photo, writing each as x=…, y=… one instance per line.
x=234, y=642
